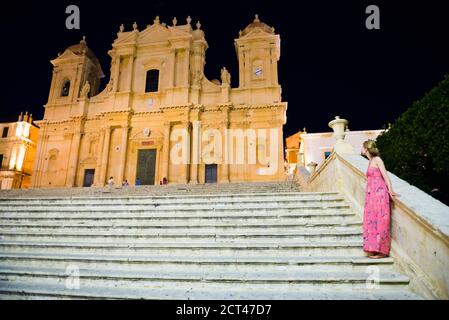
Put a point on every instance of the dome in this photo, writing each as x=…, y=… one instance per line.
x=81, y=48
x=258, y=24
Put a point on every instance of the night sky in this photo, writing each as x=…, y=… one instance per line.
x=330, y=63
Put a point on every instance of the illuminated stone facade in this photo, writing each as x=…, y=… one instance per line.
x=310, y=150
x=17, y=151
x=159, y=115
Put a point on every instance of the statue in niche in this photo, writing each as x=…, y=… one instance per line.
x=86, y=90
x=225, y=76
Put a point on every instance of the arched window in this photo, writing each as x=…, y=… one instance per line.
x=65, y=88
x=152, y=81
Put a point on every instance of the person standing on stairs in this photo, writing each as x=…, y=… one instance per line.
x=377, y=213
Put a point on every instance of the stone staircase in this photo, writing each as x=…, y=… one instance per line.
x=227, y=241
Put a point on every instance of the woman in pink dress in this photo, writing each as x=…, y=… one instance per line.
x=376, y=217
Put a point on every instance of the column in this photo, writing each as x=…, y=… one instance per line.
x=225, y=154
x=196, y=126
x=166, y=148
x=36, y=164
x=172, y=67
x=186, y=149
x=116, y=74
x=132, y=58
x=186, y=60
x=73, y=161
x=124, y=146
x=99, y=156
x=105, y=155
x=39, y=159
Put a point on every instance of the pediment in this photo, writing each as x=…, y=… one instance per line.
x=89, y=160
x=256, y=33
x=126, y=37
x=154, y=33
x=151, y=135
x=66, y=55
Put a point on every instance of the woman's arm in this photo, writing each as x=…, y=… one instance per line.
x=384, y=173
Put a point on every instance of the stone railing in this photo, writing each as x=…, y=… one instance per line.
x=419, y=223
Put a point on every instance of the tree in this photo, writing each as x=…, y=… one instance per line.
x=416, y=147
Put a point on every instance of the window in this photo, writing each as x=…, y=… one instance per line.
x=152, y=81
x=65, y=88
x=5, y=132
x=327, y=154
x=1, y=160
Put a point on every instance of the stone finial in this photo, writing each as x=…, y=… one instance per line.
x=83, y=41
x=312, y=167
x=304, y=130
x=175, y=22
x=20, y=116
x=59, y=54
x=339, y=126
x=256, y=18
x=122, y=28
x=189, y=20
x=157, y=20
x=30, y=118
x=240, y=33
x=198, y=25
x=135, y=26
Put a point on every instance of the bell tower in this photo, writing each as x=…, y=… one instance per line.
x=258, y=51
x=71, y=71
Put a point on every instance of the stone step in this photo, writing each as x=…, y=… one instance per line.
x=227, y=279
x=233, y=241
x=43, y=290
x=195, y=263
x=163, y=220
x=146, y=190
x=180, y=228
x=209, y=208
x=265, y=203
x=145, y=237
x=342, y=248
x=199, y=213
x=205, y=198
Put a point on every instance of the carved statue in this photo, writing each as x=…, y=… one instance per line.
x=225, y=76
x=86, y=89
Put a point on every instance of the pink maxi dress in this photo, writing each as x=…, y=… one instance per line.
x=376, y=217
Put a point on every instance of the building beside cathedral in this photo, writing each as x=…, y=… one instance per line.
x=17, y=152
x=159, y=116
x=310, y=150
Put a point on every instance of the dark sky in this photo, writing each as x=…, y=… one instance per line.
x=330, y=63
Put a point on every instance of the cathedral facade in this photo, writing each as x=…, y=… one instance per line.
x=159, y=117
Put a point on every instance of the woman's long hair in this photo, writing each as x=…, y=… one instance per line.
x=370, y=145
